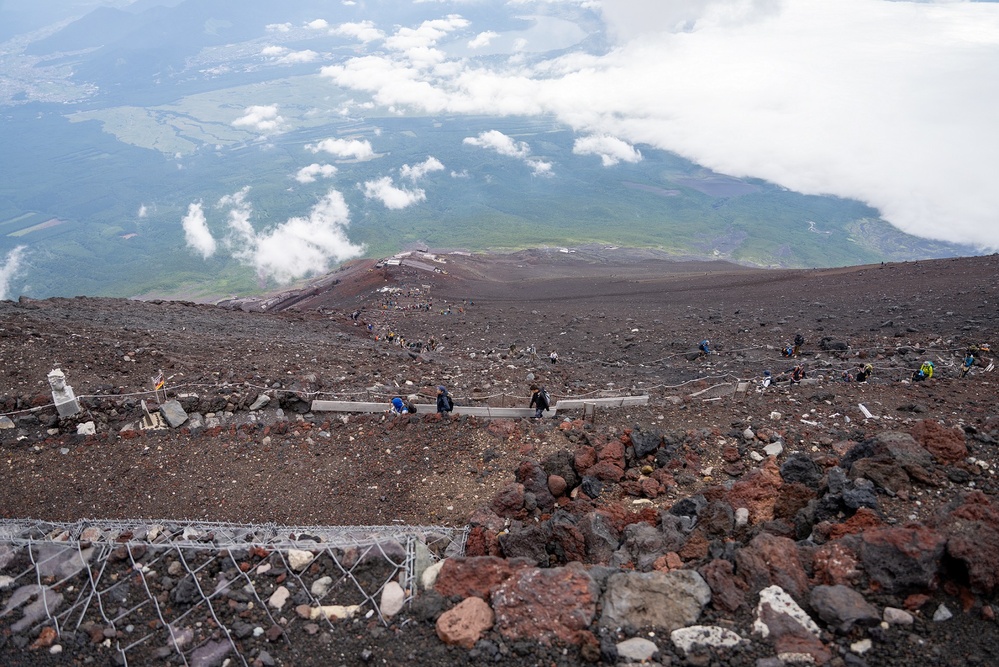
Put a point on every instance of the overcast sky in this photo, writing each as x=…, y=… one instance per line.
x=892, y=103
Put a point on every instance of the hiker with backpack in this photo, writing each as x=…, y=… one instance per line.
x=444, y=403
x=799, y=340
x=864, y=372
x=705, y=346
x=925, y=372
x=398, y=406
x=540, y=401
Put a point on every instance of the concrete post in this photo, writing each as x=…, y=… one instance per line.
x=62, y=394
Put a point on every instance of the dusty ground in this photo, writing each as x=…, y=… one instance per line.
x=622, y=322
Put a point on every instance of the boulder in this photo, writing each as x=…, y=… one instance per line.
x=535, y=480
x=468, y=577
x=757, y=492
x=546, y=605
x=801, y=469
x=728, y=592
x=945, y=444
x=972, y=531
x=664, y=600
x=561, y=463
x=841, y=608
x=642, y=545
x=464, y=624
x=645, y=442
x=600, y=537
x=173, y=413
x=792, y=631
x=508, y=501
x=769, y=560
x=902, y=559
x=528, y=542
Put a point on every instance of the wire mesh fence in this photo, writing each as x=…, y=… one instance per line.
x=198, y=592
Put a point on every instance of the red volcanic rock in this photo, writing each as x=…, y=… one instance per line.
x=556, y=485
x=468, y=577
x=464, y=624
x=946, y=444
x=606, y=471
x=613, y=453
x=728, y=592
x=509, y=500
x=973, y=539
x=835, y=563
x=902, y=558
x=770, y=560
x=546, y=605
x=502, y=428
x=482, y=541
x=864, y=518
x=650, y=487
x=791, y=498
x=757, y=492
x=585, y=458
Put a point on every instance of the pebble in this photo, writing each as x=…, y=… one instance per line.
x=637, y=649
x=942, y=614
x=895, y=616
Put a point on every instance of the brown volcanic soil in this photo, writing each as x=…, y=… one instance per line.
x=622, y=321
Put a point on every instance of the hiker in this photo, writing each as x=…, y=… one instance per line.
x=444, y=402
x=799, y=340
x=705, y=346
x=969, y=360
x=553, y=356
x=925, y=372
x=539, y=401
x=797, y=374
x=399, y=407
x=864, y=372
x=766, y=381
x=787, y=351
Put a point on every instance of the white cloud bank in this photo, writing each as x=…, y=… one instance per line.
x=891, y=103
x=418, y=171
x=358, y=149
x=504, y=145
x=264, y=119
x=296, y=248
x=12, y=266
x=313, y=171
x=610, y=149
x=392, y=197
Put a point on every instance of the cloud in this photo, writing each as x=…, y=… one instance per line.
x=264, y=119
x=482, y=39
x=364, y=31
x=273, y=51
x=501, y=143
x=610, y=149
x=196, y=232
x=298, y=57
x=359, y=149
x=296, y=248
x=277, y=27
x=11, y=267
x=890, y=103
x=313, y=171
x=504, y=145
x=143, y=211
x=418, y=171
x=318, y=24
x=392, y=197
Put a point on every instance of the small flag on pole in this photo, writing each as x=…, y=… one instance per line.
x=158, y=381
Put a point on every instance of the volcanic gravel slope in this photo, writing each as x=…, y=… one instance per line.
x=622, y=322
